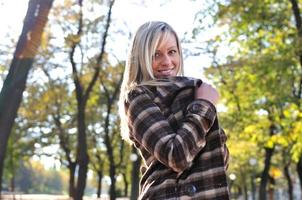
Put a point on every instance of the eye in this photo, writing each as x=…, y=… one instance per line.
x=172, y=52
x=156, y=55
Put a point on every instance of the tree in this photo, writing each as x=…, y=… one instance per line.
x=15, y=82
x=261, y=59
x=111, y=99
x=20, y=147
x=82, y=96
x=136, y=163
x=49, y=107
x=298, y=90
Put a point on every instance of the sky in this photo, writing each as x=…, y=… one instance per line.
x=12, y=13
x=178, y=13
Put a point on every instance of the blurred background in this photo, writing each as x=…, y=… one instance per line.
x=61, y=65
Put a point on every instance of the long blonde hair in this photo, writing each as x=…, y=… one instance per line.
x=138, y=69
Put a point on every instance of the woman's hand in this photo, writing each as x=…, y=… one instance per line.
x=207, y=92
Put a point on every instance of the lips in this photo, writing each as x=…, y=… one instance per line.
x=165, y=72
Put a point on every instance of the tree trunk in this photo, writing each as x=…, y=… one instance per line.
x=110, y=153
x=299, y=170
x=289, y=181
x=99, y=190
x=112, y=170
x=298, y=20
x=82, y=155
x=13, y=171
x=265, y=174
x=267, y=163
x=71, y=189
x=12, y=185
x=126, y=184
x=271, y=189
x=63, y=138
x=253, y=187
x=15, y=82
x=245, y=191
x=244, y=185
x=135, y=175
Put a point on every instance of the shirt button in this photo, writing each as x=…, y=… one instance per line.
x=190, y=190
x=195, y=108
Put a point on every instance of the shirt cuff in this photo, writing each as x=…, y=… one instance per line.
x=203, y=108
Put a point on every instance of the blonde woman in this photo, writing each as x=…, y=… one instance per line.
x=171, y=120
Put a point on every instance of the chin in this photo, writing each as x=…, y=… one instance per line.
x=165, y=75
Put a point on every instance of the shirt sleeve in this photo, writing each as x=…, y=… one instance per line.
x=151, y=129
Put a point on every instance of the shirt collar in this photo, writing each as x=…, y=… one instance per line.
x=173, y=85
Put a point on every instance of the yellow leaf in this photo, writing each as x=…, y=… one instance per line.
x=275, y=172
x=72, y=39
x=269, y=144
x=44, y=40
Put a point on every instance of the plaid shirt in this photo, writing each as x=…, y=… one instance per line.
x=180, y=140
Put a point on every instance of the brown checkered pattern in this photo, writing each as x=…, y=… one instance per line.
x=180, y=140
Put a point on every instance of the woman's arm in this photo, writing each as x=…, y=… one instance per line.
x=152, y=130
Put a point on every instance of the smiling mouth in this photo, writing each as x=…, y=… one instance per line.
x=165, y=71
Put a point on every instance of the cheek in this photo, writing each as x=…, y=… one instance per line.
x=153, y=69
x=176, y=71
x=176, y=62
x=154, y=65
x=177, y=66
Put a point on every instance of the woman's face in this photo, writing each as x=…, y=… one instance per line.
x=166, y=60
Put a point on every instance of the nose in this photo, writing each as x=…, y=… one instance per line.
x=166, y=60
